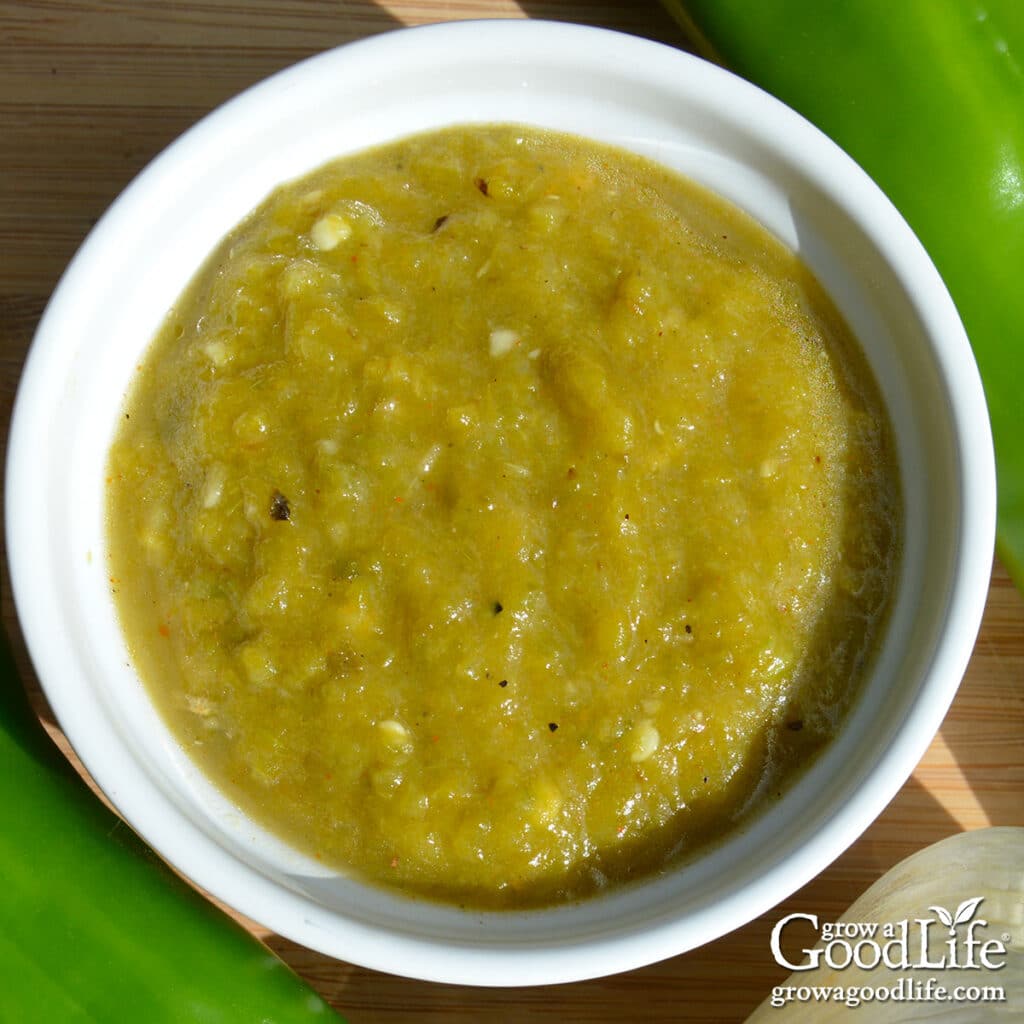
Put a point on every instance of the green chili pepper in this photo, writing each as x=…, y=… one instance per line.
x=928, y=96
x=94, y=927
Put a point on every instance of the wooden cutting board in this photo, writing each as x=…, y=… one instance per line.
x=89, y=93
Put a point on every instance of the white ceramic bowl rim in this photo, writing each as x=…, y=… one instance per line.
x=560, y=75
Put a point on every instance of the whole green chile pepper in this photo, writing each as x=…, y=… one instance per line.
x=928, y=96
x=94, y=927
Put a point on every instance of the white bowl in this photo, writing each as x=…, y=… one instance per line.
x=642, y=96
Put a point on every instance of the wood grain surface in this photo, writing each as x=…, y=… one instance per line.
x=89, y=93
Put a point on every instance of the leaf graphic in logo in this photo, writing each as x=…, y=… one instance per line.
x=963, y=913
x=966, y=910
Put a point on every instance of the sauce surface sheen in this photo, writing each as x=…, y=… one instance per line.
x=500, y=516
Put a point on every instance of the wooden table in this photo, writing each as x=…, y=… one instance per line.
x=91, y=91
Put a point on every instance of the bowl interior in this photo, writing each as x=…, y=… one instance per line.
x=639, y=95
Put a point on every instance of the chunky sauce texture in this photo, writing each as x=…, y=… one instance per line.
x=499, y=516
